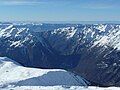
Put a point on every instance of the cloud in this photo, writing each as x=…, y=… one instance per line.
x=20, y=2
x=29, y=2
x=92, y=4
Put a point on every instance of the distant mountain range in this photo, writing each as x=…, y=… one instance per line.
x=90, y=50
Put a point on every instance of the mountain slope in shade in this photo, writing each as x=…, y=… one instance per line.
x=103, y=56
x=97, y=47
x=13, y=74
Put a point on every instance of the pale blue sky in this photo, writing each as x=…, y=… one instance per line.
x=59, y=10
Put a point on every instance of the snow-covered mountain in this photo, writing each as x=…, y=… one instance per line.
x=23, y=45
x=29, y=48
x=90, y=50
x=13, y=74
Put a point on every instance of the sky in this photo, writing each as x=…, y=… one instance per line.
x=59, y=10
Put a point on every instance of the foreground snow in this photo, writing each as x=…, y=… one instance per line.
x=59, y=88
x=12, y=74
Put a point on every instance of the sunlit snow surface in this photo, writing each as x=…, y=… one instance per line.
x=59, y=88
x=14, y=75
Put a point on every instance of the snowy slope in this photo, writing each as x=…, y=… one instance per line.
x=13, y=74
x=59, y=88
x=112, y=39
